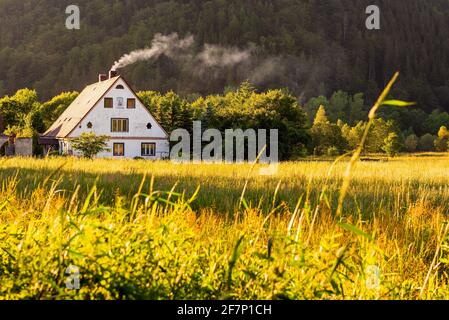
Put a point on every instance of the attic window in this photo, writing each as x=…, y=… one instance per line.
x=89, y=125
x=149, y=125
x=108, y=103
x=120, y=87
x=131, y=103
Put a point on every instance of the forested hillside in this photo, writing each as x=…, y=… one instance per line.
x=313, y=47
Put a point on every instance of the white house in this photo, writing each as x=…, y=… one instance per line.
x=110, y=107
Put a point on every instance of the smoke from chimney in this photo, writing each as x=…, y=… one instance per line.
x=161, y=45
x=181, y=50
x=208, y=61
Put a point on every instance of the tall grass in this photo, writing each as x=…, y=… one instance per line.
x=141, y=242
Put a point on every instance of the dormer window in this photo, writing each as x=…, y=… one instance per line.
x=108, y=103
x=120, y=87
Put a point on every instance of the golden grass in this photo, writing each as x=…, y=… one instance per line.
x=282, y=244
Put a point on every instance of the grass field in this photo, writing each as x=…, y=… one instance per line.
x=144, y=230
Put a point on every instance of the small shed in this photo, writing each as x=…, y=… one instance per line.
x=14, y=146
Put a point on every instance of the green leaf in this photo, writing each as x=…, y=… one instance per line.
x=245, y=204
x=398, y=103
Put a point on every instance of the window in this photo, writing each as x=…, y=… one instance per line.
x=149, y=126
x=89, y=125
x=120, y=102
x=120, y=87
x=119, y=125
x=108, y=103
x=131, y=104
x=119, y=149
x=148, y=149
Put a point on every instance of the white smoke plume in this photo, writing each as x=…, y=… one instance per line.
x=167, y=45
x=175, y=48
x=212, y=66
x=217, y=56
x=266, y=69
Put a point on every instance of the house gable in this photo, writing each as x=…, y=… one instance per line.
x=140, y=121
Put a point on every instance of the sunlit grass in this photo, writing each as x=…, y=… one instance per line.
x=134, y=240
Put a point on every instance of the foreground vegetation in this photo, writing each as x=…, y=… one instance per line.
x=280, y=240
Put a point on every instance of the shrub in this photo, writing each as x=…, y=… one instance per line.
x=392, y=144
x=442, y=142
x=411, y=143
x=426, y=143
x=90, y=144
x=333, y=152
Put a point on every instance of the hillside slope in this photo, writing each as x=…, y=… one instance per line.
x=313, y=47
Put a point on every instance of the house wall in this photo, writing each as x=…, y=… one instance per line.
x=139, y=117
x=132, y=149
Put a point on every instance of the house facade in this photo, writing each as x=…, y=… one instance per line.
x=109, y=107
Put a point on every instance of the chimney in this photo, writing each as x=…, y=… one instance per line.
x=102, y=77
x=113, y=74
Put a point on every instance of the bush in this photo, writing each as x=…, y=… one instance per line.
x=411, y=143
x=426, y=143
x=333, y=152
x=442, y=142
x=90, y=144
x=392, y=144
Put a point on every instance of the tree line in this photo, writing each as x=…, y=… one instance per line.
x=323, y=126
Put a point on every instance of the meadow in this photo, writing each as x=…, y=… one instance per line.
x=159, y=230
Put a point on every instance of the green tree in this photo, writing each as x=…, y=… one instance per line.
x=320, y=116
x=427, y=143
x=52, y=109
x=356, y=105
x=411, y=143
x=326, y=137
x=244, y=108
x=339, y=106
x=353, y=135
x=436, y=120
x=278, y=109
x=312, y=106
x=442, y=141
x=16, y=108
x=380, y=131
x=89, y=144
x=170, y=110
x=392, y=144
